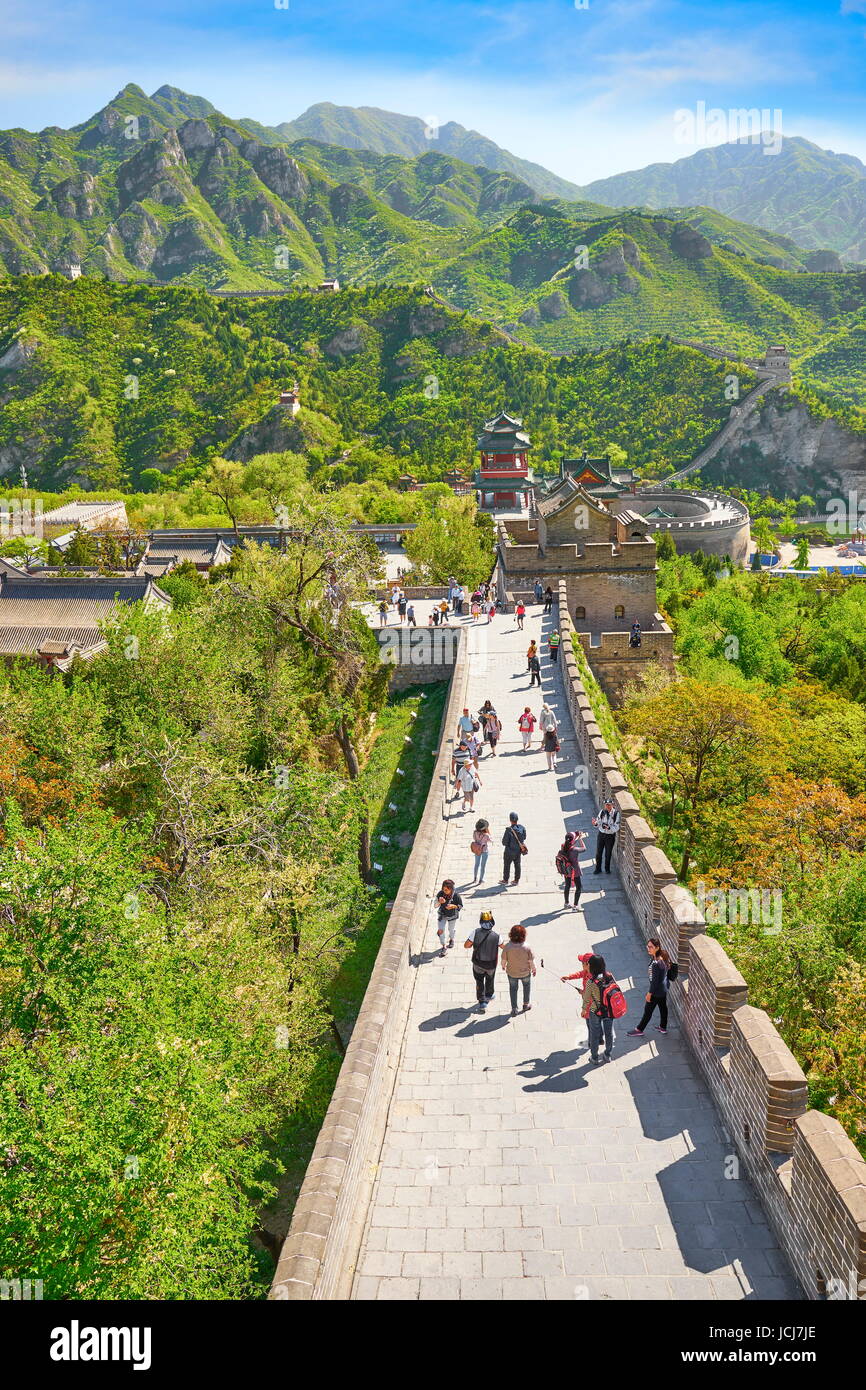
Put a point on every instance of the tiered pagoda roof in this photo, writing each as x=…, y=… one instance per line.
x=502, y=435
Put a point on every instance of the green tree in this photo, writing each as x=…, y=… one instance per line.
x=448, y=542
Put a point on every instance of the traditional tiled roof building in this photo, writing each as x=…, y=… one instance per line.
x=56, y=618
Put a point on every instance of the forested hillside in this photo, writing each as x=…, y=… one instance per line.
x=189, y=920
x=751, y=765
x=166, y=190
x=101, y=382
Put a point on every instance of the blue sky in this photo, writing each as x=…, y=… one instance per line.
x=585, y=91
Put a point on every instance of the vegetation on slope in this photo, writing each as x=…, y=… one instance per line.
x=751, y=765
x=187, y=928
x=108, y=382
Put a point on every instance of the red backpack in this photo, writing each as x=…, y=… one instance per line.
x=613, y=999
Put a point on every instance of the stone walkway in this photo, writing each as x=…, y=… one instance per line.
x=511, y=1166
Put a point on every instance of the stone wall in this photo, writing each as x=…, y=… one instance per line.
x=810, y=1178
x=418, y=655
x=319, y=1253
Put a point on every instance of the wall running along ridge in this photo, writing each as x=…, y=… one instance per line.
x=809, y=1176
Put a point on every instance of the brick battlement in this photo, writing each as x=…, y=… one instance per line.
x=810, y=1177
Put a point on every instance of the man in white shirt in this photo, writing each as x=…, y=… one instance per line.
x=607, y=822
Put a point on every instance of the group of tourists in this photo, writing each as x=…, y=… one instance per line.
x=602, y=1000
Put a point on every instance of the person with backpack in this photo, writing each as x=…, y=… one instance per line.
x=549, y=738
x=548, y=599
x=553, y=642
x=484, y=944
x=526, y=723
x=534, y=670
x=568, y=864
x=480, y=847
x=469, y=783
x=449, y=905
x=531, y=651
x=514, y=844
x=661, y=972
x=485, y=710
x=520, y=613
x=492, y=730
x=603, y=1001
x=518, y=963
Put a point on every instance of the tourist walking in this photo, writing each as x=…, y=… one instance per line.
x=485, y=710
x=401, y=608
x=410, y=614
x=449, y=905
x=548, y=599
x=469, y=783
x=526, y=723
x=657, y=994
x=466, y=724
x=549, y=737
x=492, y=731
x=460, y=758
x=474, y=746
x=635, y=638
x=553, y=642
x=383, y=614
x=480, y=847
x=514, y=846
x=568, y=864
x=596, y=1008
x=539, y=592
x=534, y=671
x=475, y=610
x=491, y=610
x=531, y=651
x=518, y=963
x=443, y=611
x=607, y=822
x=484, y=944
x=520, y=614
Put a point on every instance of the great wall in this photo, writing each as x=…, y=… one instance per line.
x=482, y=1158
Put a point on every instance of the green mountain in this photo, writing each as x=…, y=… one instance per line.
x=386, y=132
x=165, y=189
x=99, y=381
x=814, y=196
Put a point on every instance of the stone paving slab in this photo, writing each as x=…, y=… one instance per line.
x=511, y=1166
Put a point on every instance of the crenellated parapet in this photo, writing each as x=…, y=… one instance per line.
x=809, y=1176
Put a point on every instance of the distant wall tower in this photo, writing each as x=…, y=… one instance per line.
x=778, y=359
x=291, y=400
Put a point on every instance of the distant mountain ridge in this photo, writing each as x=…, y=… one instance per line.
x=166, y=189
x=814, y=196
x=386, y=132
